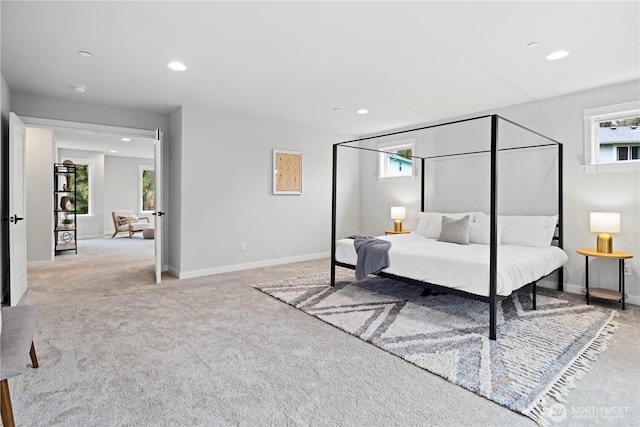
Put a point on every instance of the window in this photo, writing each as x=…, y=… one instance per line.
x=84, y=187
x=395, y=159
x=612, y=136
x=146, y=185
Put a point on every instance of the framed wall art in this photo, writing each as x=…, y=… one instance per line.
x=287, y=172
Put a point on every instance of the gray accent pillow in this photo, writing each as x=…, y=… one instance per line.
x=455, y=230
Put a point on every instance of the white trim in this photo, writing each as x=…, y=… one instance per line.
x=39, y=263
x=247, y=266
x=92, y=236
x=78, y=126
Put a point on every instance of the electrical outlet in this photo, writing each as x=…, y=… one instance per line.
x=627, y=269
x=243, y=247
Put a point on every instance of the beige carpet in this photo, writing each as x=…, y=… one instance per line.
x=537, y=358
x=117, y=350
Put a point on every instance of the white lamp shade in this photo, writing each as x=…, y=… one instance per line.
x=604, y=222
x=398, y=212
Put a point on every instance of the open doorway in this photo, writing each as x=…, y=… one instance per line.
x=116, y=163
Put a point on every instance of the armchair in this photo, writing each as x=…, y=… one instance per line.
x=127, y=222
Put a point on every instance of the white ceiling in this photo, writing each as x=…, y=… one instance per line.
x=407, y=62
x=111, y=145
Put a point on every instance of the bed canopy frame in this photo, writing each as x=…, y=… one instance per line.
x=495, y=121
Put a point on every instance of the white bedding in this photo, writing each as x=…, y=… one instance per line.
x=463, y=267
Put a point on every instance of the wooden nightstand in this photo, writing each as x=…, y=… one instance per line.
x=397, y=232
x=605, y=293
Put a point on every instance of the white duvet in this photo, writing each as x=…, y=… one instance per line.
x=463, y=267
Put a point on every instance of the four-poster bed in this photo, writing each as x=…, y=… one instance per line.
x=466, y=270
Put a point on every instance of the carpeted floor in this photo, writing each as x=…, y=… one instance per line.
x=117, y=350
x=530, y=368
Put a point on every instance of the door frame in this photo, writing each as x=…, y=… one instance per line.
x=54, y=124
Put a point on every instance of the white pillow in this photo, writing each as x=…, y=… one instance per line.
x=424, y=219
x=523, y=230
x=435, y=226
x=480, y=230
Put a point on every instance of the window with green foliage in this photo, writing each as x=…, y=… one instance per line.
x=147, y=189
x=82, y=197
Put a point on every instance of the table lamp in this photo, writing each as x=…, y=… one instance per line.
x=604, y=223
x=398, y=214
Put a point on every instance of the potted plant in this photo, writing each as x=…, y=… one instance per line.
x=67, y=223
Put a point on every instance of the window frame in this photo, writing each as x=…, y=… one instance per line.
x=90, y=164
x=383, y=151
x=141, y=170
x=591, y=118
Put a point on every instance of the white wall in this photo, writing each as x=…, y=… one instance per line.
x=225, y=190
x=121, y=189
x=40, y=203
x=559, y=118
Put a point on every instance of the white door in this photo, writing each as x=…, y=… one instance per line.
x=158, y=207
x=17, y=211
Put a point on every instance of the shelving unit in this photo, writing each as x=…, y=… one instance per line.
x=64, y=213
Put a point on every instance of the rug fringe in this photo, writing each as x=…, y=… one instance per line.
x=556, y=393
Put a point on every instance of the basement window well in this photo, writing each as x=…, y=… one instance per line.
x=612, y=137
x=395, y=159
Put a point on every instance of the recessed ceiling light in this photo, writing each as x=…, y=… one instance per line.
x=126, y=139
x=558, y=54
x=79, y=88
x=336, y=109
x=114, y=151
x=85, y=53
x=533, y=45
x=177, y=66
x=363, y=111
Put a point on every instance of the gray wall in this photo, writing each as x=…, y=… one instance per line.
x=40, y=202
x=559, y=118
x=121, y=176
x=50, y=108
x=225, y=193
x=174, y=206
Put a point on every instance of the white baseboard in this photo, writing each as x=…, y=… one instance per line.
x=39, y=263
x=90, y=236
x=247, y=266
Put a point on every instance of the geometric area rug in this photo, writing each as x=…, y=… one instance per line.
x=535, y=361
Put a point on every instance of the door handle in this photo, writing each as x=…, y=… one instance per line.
x=15, y=219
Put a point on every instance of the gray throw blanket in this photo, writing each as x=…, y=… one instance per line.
x=373, y=255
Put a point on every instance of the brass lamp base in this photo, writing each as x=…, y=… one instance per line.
x=397, y=225
x=605, y=243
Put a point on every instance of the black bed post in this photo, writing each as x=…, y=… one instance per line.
x=493, y=249
x=333, y=215
x=560, y=217
x=422, y=198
